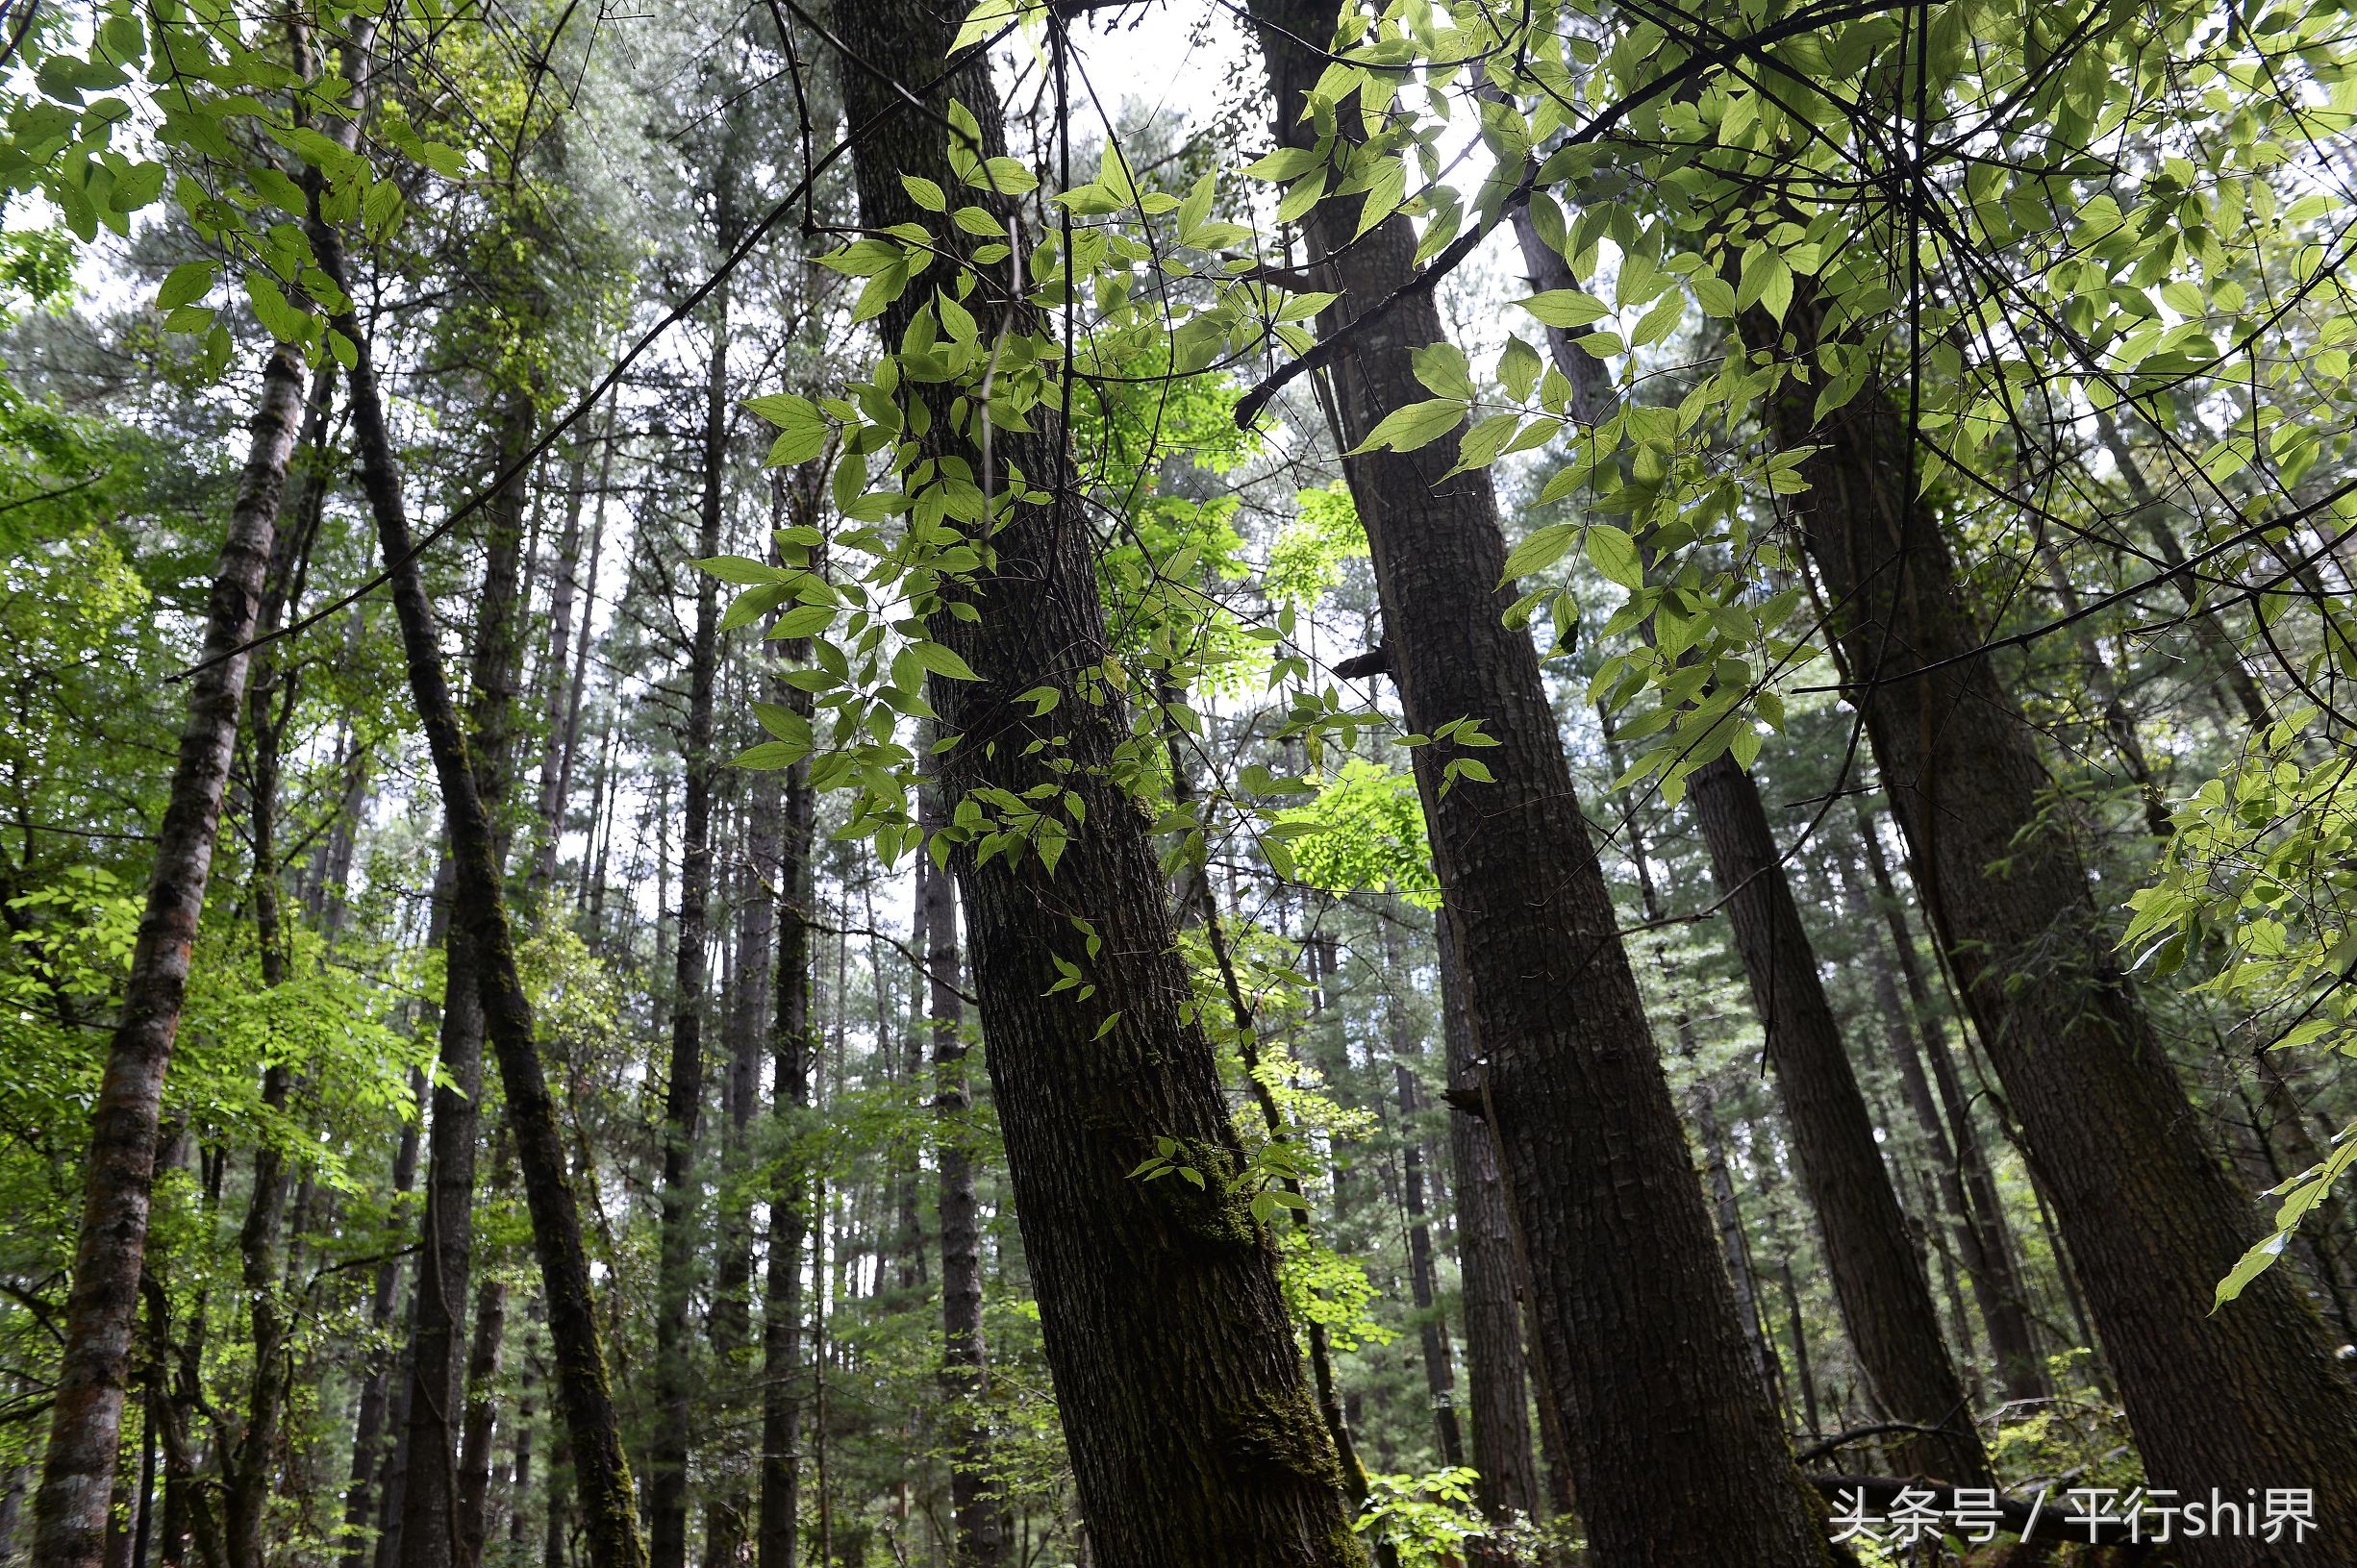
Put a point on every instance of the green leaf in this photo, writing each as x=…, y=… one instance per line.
x=770, y=753
x=1286, y=164
x=803, y=430
x=1565, y=308
x=1419, y=424
x=784, y=723
x=740, y=569
x=1539, y=549
x=943, y=661
x=1518, y=368
x=1444, y=370
x=185, y=284
x=1613, y=553
x=808, y=620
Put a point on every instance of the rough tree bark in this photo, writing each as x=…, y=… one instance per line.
x=71, y=1509
x=1678, y=1454
x=777, y=1541
x=376, y=1376
x=2003, y=1294
x=980, y=1539
x=1432, y=1328
x=432, y=1521
x=1878, y=1279
x=1498, y=1393
x=1192, y=1437
x=2237, y=1400
x=479, y=912
x=666, y=1481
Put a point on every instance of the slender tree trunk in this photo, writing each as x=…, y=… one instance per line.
x=519, y=1467
x=368, y=1426
x=1192, y=1438
x=480, y=915
x=1432, y=1328
x=434, y=1520
x=475, y=1437
x=1679, y=1455
x=94, y=1362
x=793, y=1043
x=974, y=1505
x=2004, y=1292
x=1877, y=1277
x=728, y=1510
x=1497, y=1392
x=562, y=684
x=666, y=1481
x=581, y=645
x=2234, y=1400
x=1726, y=1211
x=1801, y=1367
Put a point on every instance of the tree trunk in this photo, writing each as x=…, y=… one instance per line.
x=728, y=1510
x=792, y=1047
x=94, y=1361
x=1432, y=1328
x=974, y=1506
x=368, y=1426
x=1192, y=1438
x=433, y=1521
x=1877, y=1278
x=2235, y=1400
x=2004, y=1298
x=562, y=682
x=480, y=915
x=1498, y=1398
x=666, y=1481
x=1726, y=1211
x=475, y=1438
x=1679, y=1456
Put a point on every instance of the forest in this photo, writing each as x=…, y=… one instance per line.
x=1178, y=783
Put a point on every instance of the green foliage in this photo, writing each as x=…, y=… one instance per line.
x=1427, y=1519
x=1366, y=832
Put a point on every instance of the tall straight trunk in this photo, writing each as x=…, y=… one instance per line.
x=1878, y=1279
x=519, y=1467
x=1192, y=1438
x=974, y=1506
x=792, y=1047
x=480, y=915
x=561, y=683
x=1726, y=1211
x=249, y=1458
x=368, y=1425
x=2230, y=1400
x=1497, y=1391
x=1995, y=1291
x=728, y=1509
x=579, y=684
x=2004, y=1297
x=2291, y=1148
x=71, y=1509
x=432, y=1521
x=666, y=1481
x=1432, y=1328
x=475, y=1437
x=1678, y=1453
x=393, y=1491
x=1801, y=1365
